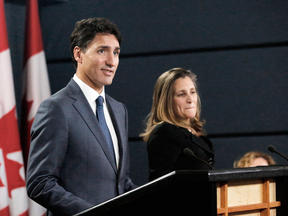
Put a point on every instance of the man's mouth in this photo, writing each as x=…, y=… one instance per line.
x=107, y=71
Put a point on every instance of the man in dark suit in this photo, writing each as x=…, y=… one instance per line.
x=73, y=162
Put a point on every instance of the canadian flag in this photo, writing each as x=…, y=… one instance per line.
x=36, y=83
x=13, y=196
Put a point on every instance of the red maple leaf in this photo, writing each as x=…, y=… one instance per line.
x=10, y=143
x=5, y=211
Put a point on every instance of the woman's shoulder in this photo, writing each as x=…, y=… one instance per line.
x=165, y=134
x=165, y=126
x=169, y=131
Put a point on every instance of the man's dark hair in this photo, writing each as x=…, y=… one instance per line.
x=86, y=30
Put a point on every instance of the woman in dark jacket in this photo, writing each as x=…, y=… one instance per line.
x=174, y=133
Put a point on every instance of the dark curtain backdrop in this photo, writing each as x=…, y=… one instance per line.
x=238, y=49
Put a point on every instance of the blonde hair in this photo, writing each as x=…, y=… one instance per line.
x=248, y=158
x=162, y=106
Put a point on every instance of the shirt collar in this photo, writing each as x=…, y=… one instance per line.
x=89, y=92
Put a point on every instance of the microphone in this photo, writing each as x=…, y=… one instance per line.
x=272, y=149
x=188, y=152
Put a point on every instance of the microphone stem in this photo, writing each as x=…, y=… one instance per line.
x=282, y=155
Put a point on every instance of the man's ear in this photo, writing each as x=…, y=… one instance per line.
x=77, y=54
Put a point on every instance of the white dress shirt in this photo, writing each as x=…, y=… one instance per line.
x=91, y=96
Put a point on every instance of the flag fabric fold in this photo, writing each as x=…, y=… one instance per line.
x=36, y=85
x=36, y=88
x=35, y=74
x=13, y=196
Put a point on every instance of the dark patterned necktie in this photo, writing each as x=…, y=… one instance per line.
x=103, y=125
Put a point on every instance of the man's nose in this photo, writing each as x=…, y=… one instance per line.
x=111, y=60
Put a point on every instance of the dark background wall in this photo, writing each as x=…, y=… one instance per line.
x=238, y=49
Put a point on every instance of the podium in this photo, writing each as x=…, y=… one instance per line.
x=244, y=191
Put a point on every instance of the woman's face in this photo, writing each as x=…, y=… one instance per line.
x=184, y=99
x=259, y=162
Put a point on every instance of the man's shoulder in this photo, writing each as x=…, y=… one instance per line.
x=63, y=95
x=113, y=101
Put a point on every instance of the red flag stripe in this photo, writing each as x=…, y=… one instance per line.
x=3, y=28
x=33, y=36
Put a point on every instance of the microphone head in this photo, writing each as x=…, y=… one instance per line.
x=188, y=152
x=271, y=148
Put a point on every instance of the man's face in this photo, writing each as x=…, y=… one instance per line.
x=98, y=64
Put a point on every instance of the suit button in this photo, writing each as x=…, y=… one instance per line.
x=210, y=161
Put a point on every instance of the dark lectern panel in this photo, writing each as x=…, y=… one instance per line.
x=169, y=195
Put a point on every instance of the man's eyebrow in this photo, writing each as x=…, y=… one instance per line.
x=108, y=47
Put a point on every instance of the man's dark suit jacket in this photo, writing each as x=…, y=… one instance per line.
x=70, y=167
x=166, y=146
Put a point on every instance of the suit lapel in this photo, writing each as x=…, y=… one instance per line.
x=197, y=140
x=118, y=127
x=82, y=106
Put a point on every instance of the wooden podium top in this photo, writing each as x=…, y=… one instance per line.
x=230, y=174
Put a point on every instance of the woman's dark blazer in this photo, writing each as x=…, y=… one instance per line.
x=165, y=150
